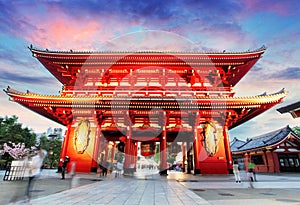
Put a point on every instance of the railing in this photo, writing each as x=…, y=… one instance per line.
x=15, y=171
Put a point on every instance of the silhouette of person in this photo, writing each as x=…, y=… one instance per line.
x=64, y=166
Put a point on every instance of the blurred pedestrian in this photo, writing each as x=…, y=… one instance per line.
x=103, y=168
x=119, y=168
x=74, y=179
x=236, y=172
x=251, y=170
x=35, y=165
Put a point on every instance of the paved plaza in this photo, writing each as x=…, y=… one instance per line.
x=147, y=187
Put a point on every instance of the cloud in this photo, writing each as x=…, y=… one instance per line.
x=21, y=78
x=86, y=24
x=257, y=67
x=288, y=73
x=283, y=8
x=153, y=40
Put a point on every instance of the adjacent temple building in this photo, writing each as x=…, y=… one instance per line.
x=149, y=100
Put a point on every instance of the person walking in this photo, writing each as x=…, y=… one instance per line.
x=64, y=166
x=251, y=170
x=103, y=169
x=35, y=166
x=119, y=168
x=236, y=172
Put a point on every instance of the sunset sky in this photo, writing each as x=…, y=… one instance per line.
x=210, y=25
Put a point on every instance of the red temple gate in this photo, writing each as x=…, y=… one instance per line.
x=148, y=98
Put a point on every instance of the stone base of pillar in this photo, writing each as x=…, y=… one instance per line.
x=128, y=171
x=163, y=172
x=197, y=171
x=94, y=169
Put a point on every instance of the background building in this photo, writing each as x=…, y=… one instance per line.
x=277, y=151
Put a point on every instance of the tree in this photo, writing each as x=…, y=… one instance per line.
x=297, y=130
x=17, y=151
x=12, y=131
x=53, y=148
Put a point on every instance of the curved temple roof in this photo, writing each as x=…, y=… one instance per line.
x=293, y=109
x=197, y=83
x=245, y=107
x=36, y=50
x=68, y=66
x=268, y=140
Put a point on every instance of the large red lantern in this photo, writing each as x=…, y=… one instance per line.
x=148, y=148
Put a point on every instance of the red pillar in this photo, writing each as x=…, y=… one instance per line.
x=112, y=156
x=96, y=151
x=183, y=156
x=135, y=154
x=65, y=144
x=196, y=147
x=276, y=162
x=246, y=160
x=128, y=151
x=105, y=151
x=163, y=152
x=227, y=149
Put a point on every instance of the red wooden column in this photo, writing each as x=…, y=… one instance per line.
x=163, y=152
x=227, y=149
x=196, y=146
x=105, y=158
x=246, y=160
x=135, y=154
x=96, y=150
x=112, y=156
x=276, y=162
x=64, y=145
x=128, y=151
x=183, y=156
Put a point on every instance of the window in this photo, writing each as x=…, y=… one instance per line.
x=281, y=162
x=289, y=162
x=258, y=159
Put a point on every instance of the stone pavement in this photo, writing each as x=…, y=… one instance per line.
x=177, y=188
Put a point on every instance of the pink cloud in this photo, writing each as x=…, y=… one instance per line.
x=284, y=8
x=61, y=31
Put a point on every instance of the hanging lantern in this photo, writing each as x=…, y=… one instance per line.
x=122, y=138
x=148, y=148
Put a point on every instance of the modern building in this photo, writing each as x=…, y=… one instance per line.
x=56, y=133
x=277, y=151
x=148, y=97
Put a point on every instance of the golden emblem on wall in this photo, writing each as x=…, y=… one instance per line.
x=211, y=138
x=82, y=136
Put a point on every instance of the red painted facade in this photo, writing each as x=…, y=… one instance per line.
x=157, y=97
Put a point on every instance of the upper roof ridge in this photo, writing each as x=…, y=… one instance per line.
x=32, y=49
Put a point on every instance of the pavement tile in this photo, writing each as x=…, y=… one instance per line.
x=172, y=190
